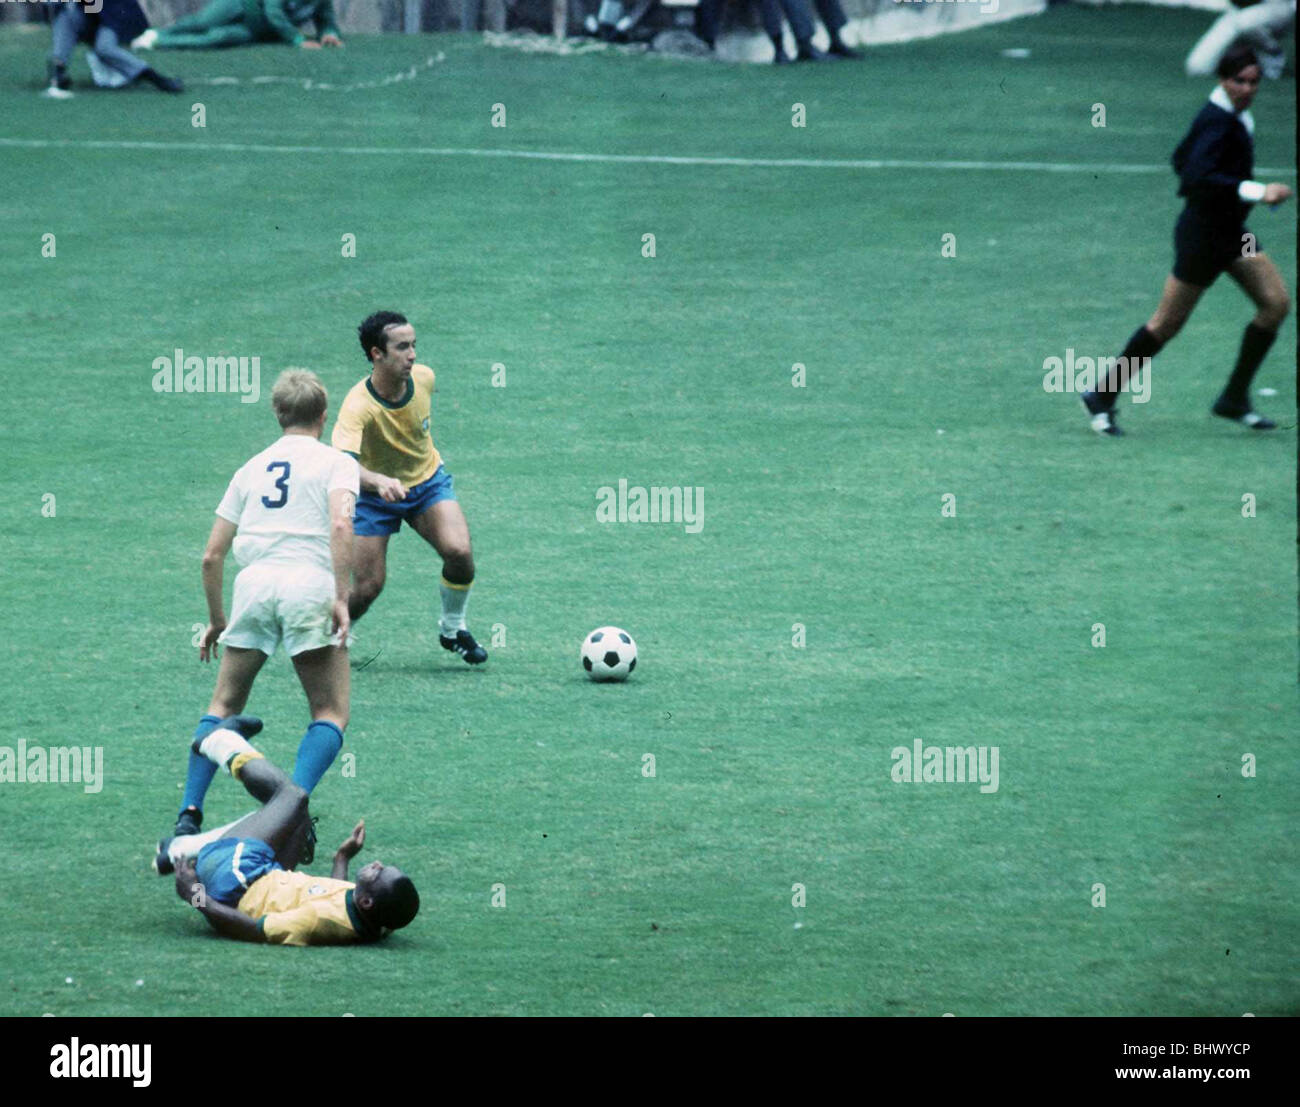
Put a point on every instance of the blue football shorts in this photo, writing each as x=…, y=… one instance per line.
x=227, y=868
x=375, y=515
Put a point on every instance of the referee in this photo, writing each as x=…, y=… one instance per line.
x=1215, y=163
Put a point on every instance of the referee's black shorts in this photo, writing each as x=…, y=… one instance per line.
x=1204, y=249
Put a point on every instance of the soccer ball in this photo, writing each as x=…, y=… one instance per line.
x=608, y=654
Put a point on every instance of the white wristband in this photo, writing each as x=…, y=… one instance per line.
x=1252, y=192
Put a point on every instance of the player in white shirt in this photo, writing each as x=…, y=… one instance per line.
x=287, y=514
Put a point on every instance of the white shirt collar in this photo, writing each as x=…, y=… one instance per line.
x=1219, y=99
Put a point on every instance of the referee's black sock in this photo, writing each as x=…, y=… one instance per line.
x=1141, y=344
x=1255, y=344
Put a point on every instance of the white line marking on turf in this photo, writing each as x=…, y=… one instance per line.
x=312, y=85
x=617, y=159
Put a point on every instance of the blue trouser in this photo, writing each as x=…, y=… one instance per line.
x=70, y=25
x=796, y=11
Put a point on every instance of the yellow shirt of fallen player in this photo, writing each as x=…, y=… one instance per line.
x=387, y=437
x=298, y=909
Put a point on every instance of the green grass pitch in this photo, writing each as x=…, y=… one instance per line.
x=1119, y=766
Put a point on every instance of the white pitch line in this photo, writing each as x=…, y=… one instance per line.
x=616, y=159
x=310, y=84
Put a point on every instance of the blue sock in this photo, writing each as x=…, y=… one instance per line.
x=316, y=752
x=201, y=771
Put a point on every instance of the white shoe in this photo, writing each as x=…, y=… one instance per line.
x=56, y=93
x=145, y=40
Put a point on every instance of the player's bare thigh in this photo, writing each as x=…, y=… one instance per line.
x=370, y=561
x=327, y=681
x=445, y=528
x=1260, y=279
x=239, y=668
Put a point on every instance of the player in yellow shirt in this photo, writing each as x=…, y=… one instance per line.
x=384, y=424
x=241, y=877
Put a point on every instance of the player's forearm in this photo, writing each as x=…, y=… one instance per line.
x=213, y=570
x=341, y=557
x=230, y=923
x=370, y=480
x=1213, y=186
x=340, y=869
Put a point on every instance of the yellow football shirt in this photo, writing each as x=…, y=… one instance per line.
x=390, y=438
x=298, y=909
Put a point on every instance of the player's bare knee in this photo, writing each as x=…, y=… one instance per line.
x=458, y=565
x=367, y=588
x=294, y=794
x=1274, y=310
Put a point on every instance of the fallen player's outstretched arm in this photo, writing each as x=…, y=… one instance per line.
x=349, y=849
x=224, y=920
x=230, y=923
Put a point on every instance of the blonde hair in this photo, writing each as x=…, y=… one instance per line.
x=298, y=398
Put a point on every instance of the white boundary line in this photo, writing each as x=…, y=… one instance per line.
x=310, y=84
x=616, y=159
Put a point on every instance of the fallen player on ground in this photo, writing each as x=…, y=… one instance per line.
x=243, y=880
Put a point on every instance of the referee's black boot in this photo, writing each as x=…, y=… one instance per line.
x=1241, y=413
x=1102, y=418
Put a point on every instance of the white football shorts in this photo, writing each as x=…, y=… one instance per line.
x=279, y=602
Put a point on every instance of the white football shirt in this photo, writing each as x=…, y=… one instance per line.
x=280, y=502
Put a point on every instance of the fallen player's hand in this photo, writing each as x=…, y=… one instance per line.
x=208, y=643
x=391, y=489
x=309, y=44
x=352, y=844
x=330, y=40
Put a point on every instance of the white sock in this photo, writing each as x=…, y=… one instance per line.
x=221, y=745
x=188, y=845
x=454, y=599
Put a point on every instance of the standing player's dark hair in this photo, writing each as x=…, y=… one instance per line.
x=371, y=331
x=396, y=904
x=1235, y=60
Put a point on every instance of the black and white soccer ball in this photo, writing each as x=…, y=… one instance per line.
x=608, y=653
